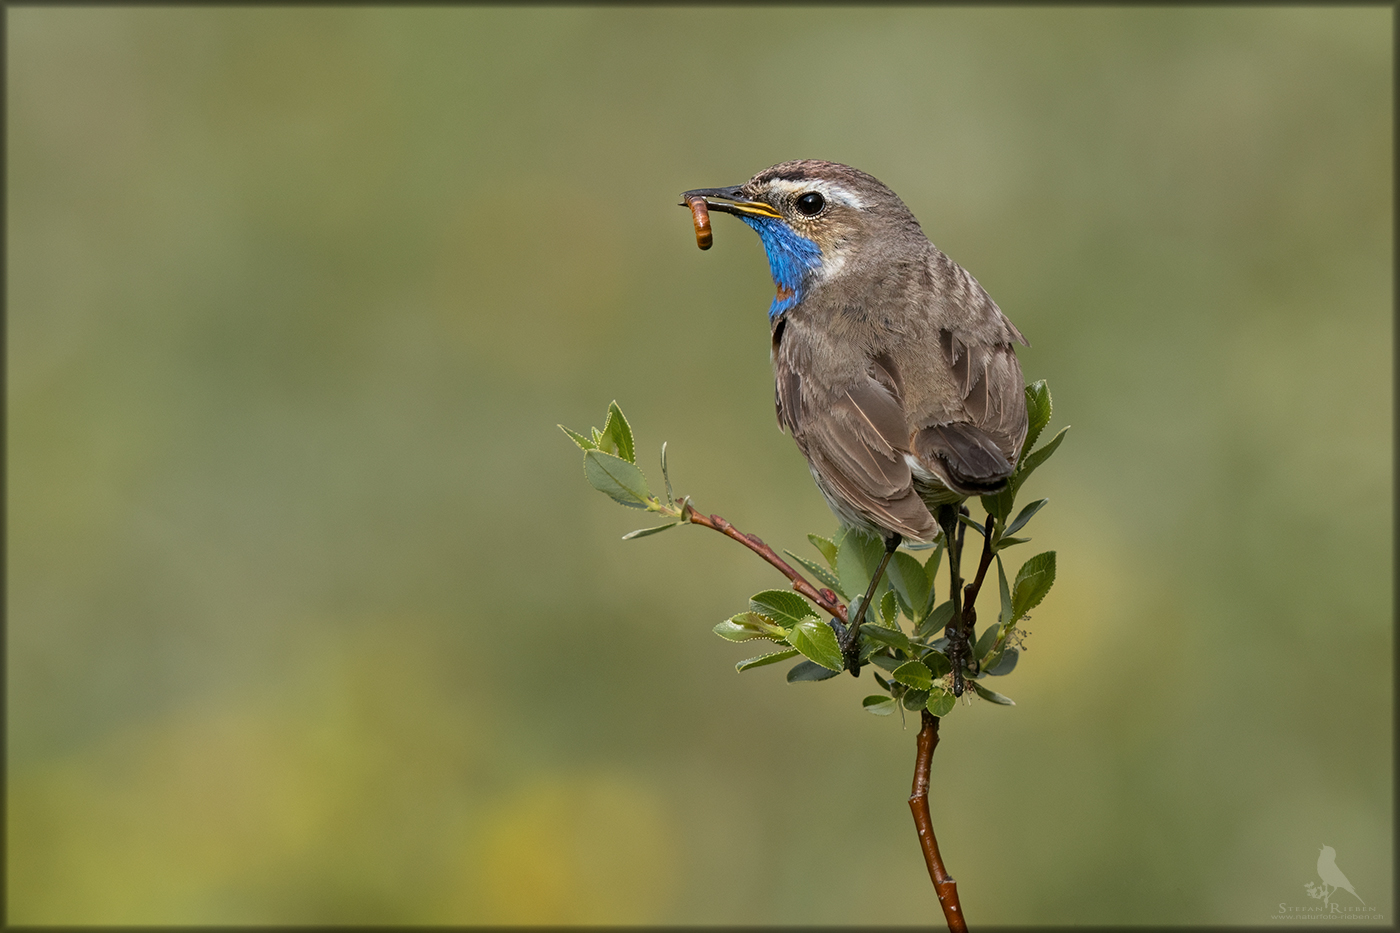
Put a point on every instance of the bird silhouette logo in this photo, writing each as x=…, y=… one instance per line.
x=1332, y=878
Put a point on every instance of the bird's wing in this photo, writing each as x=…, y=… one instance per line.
x=972, y=435
x=855, y=440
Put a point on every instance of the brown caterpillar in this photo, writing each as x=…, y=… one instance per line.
x=700, y=213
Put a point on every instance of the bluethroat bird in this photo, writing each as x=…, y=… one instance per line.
x=894, y=370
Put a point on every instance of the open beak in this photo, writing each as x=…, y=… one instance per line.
x=730, y=201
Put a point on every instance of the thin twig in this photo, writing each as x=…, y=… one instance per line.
x=823, y=597
x=973, y=588
x=943, y=883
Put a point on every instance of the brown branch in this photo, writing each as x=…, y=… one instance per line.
x=943, y=883
x=823, y=597
x=973, y=588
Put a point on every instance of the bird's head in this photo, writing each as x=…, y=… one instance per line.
x=816, y=220
x=1327, y=850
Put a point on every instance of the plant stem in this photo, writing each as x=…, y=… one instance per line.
x=943, y=883
x=823, y=597
x=973, y=588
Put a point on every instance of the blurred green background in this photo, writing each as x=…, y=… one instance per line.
x=313, y=618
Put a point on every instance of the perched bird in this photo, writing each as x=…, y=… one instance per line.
x=1328, y=871
x=894, y=370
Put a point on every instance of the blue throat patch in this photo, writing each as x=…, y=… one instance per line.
x=790, y=259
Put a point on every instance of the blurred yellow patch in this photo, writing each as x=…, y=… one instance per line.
x=574, y=850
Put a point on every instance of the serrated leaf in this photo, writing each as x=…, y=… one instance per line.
x=815, y=639
x=915, y=699
x=807, y=671
x=936, y=620
x=1034, y=460
x=1038, y=412
x=909, y=584
x=826, y=546
x=889, y=637
x=940, y=702
x=1033, y=581
x=765, y=659
x=879, y=705
x=1024, y=516
x=857, y=556
x=583, y=442
x=825, y=577
x=938, y=663
x=616, y=436
x=597, y=437
x=749, y=625
x=617, y=478
x=889, y=609
x=854, y=610
x=984, y=644
x=991, y=695
x=1004, y=663
x=782, y=606
x=643, y=532
x=914, y=674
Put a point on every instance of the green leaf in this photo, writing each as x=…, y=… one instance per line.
x=890, y=637
x=915, y=699
x=826, y=546
x=882, y=660
x=763, y=659
x=643, y=532
x=1032, y=461
x=857, y=556
x=931, y=572
x=1038, y=411
x=617, y=478
x=583, y=442
x=888, y=610
x=991, y=695
x=1005, y=543
x=1004, y=663
x=999, y=504
x=938, y=663
x=747, y=625
x=806, y=671
x=879, y=705
x=914, y=674
x=971, y=523
x=1024, y=516
x=936, y=620
x=940, y=702
x=825, y=577
x=1033, y=581
x=854, y=611
x=815, y=639
x=782, y=606
x=670, y=498
x=909, y=583
x=1005, y=618
x=984, y=644
x=617, y=436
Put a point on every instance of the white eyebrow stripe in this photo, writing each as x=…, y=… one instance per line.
x=830, y=190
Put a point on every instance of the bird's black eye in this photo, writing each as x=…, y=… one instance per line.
x=811, y=203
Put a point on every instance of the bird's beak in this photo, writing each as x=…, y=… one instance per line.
x=730, y=202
